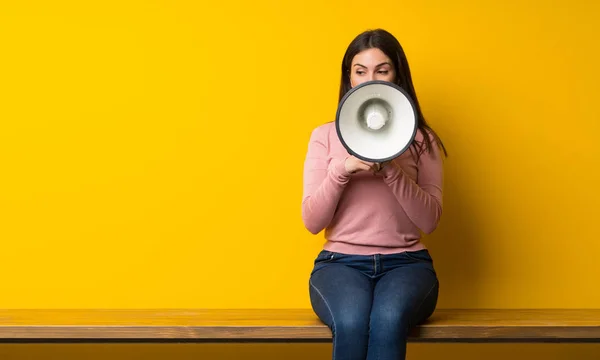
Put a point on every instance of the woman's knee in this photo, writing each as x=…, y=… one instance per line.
x=390, y=319
x=401, y=315
x=351, y=321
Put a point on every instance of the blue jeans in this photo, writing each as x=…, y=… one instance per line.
x=371, y=302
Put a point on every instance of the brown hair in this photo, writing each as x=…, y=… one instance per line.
x=389, y=45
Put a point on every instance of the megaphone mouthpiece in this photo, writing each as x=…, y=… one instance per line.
x=376, y=116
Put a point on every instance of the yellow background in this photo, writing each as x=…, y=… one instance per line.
x=152, y=153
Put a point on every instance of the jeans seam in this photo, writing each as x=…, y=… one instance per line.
x=328, y=309
x=423, y=300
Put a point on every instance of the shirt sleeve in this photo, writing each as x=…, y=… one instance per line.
x=420, y=199
x=323, y=183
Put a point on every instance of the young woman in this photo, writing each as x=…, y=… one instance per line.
x=374, y=279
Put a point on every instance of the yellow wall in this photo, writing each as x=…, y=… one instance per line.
x=152, y=151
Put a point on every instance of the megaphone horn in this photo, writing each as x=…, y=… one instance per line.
x=376, y=121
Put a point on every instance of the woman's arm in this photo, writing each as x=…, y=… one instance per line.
x=421, y=199
x=324, y=183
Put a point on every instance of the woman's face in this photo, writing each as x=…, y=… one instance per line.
x=371, y=64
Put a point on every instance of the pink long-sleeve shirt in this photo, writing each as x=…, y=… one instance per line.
x=363, y=213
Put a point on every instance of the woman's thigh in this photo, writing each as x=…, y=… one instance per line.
x=404, y=297
x=341, y=296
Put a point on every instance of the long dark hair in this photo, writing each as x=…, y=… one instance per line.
x=389, y=45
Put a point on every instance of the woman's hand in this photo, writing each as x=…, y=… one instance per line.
x=354, y=164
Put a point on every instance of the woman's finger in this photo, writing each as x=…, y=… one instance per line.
x=364, y=166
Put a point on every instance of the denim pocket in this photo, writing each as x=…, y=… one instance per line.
x=324, y=256
x=419, y=255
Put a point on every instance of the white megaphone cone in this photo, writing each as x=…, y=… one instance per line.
x=376, y=121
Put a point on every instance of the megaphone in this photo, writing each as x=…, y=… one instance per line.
x=376, y=121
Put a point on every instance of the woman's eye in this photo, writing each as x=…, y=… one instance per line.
x=383, y=72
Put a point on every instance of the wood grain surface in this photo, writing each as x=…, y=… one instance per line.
x=287, y=324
